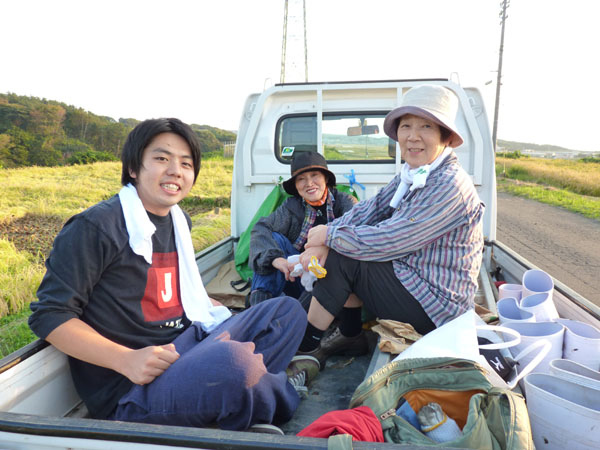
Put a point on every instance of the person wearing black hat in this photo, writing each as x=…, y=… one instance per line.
x=314, y=201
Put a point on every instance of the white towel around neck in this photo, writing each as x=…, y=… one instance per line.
x=195, y=301
x=415, y=178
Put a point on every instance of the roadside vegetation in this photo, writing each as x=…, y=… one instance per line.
x=41, y=132
x=569, y=184
x=36, y=202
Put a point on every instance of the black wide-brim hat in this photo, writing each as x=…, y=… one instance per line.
x=304, y=162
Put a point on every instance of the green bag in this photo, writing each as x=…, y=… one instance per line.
x=271, y=203
x=490, y=417
x=275, y=198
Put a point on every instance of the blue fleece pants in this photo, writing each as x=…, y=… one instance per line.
x=234, y=376
x=275, y=282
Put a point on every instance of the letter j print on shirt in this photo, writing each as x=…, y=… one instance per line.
x=161, y=300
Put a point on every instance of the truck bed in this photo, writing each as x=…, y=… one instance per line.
x=39, y=408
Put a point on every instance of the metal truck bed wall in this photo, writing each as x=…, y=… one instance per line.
x=569, y=303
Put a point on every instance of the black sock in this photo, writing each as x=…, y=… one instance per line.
x=351, y=321
x=312, y=338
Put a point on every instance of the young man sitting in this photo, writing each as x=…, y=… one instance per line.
x=123, y=298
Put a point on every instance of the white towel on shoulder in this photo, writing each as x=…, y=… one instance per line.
x=415, y=178
x=195, y=300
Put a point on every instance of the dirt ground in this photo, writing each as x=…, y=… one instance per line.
x=32, y=233
x=564, y=244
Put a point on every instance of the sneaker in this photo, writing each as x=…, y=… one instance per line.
x=257, y=296
x=318, y=354
x=265, y=428
x=301, y=371
x=336, y=343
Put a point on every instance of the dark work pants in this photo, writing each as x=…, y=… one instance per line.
x=234, y=376
x=376, y=284
x=275, y=282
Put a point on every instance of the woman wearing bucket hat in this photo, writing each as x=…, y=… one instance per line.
x=314, y=201
x=412, y=252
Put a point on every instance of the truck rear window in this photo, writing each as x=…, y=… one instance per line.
x=347, y=137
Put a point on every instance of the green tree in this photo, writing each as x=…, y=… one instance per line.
x=90, y=156
x=12, y=115
x=129, y=123
x=115, y=135
x=4, y=149
x=49, y=128
x=221, y=135
x=68, y=146
x=45, y=155
x=47, y=120
x=21, y=143
x=76, y=123
x=208, y=141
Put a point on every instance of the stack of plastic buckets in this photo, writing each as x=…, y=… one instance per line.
x=563, y=392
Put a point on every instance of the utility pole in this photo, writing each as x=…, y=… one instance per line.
x=294, y=58
x=505, y=4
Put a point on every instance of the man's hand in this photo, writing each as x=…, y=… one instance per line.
x=77, y=339
x=284, y=267
x=320, y=252
x=316, y=236
x=144, y=365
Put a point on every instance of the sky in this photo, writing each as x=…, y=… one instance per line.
x=198, y=59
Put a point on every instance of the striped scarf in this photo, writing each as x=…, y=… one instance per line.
x=310, y=215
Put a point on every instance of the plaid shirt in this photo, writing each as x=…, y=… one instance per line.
x=434, y=238
x=310, y=216
x=286, y=220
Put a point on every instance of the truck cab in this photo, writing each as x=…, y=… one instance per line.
x=344, y=122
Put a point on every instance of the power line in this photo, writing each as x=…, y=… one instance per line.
x=504, y=5
x=294, y=56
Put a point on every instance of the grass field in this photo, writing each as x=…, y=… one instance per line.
x=36, y=202
x=572, y=175
x=570, y=184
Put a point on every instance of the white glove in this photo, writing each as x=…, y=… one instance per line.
x=307, y=280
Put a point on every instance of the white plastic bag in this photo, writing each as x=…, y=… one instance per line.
x=458, y=338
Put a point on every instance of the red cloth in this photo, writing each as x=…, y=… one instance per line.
x=359, y=422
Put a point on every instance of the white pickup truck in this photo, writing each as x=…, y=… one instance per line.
x=39, y=408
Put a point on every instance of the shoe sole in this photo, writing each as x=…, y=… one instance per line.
x=311, y=358
x=265, y=428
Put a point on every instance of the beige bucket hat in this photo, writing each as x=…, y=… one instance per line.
x=432, y=102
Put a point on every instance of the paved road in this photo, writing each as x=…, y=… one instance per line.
x=564, y=244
